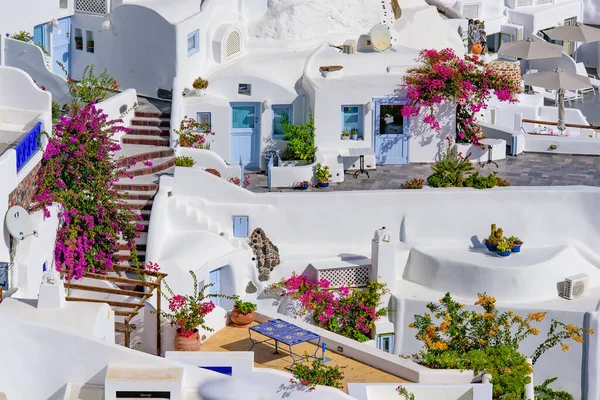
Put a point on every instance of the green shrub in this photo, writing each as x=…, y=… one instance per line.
x=301, y=140
x=543, y=392
x=184, y=161
x=56, y=111
x=416, y=183
x=245, y=307
x=317, y=373
x=91, y=88
x=453, y=168
x=23, y=36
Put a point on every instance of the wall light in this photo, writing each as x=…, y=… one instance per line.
x=106, y=25
x=266, y=105
x=370, y=106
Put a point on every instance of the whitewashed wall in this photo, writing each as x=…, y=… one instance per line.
x=546, y=17
x=29, y=58
x=143, y=59
x=114, y=106
x=25, y=14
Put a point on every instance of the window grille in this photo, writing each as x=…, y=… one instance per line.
x=234, y=44
x=100, y=7
x=357, y=276
x=471, y=11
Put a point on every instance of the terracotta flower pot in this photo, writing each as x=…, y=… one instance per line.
x=241, y=320
x=191, y=343
x=476, y=48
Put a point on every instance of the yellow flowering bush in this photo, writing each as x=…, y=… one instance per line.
x=486, y=340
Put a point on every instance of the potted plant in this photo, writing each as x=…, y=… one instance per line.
x=300, y=149
x=354, y=134
x=78, y=42
x=515, y=244
x=495, y=236
x=242, y=314
x=345, y=135
x=304, y=185
x=200, y=86
x=322, y=175
x=90, y=46
x=503, y=248
x=188, y=313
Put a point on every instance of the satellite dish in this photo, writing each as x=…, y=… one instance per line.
x=18, y=223
x=381, y=38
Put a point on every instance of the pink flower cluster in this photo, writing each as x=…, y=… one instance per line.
x=78, y=174
x=176, y=302
x=207, y=307
x=468, y=82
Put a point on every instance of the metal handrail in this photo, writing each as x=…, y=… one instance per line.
x=533, y=121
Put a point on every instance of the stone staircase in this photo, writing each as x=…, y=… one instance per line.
x=145, y=150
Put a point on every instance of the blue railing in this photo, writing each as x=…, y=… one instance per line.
x=28, y=146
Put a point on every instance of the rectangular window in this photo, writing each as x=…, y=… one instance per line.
x=89, y=39
x=192, y=43
x=240, y=226
x=63, y=3
x=39, y=36
x=78, y=39
x=245, y=89
x=386, y=342
x=204, y=119
x=352, y=120
x=281, y=114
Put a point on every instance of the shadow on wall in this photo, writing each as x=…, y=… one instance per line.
x=426, y=136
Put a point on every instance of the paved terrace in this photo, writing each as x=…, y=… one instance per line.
x=232, y=338
x=528, y=169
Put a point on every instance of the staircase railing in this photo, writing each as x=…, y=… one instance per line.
x=28, y=145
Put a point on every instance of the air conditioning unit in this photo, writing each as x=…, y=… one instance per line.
x=576, y=286
x=349, y=47
x=469, y=10
x=515, y=31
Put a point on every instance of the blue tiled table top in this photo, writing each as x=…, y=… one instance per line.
x=284, y=332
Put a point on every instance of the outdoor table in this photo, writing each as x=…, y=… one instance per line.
x=489, y=143
x=360, y=153
x=288, y=334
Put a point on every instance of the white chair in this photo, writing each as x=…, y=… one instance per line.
x=580, y=69
x=548, y=95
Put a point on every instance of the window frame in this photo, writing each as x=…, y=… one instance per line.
x=207, y=113
x=360, y=123
x=195, y=34
x=290, y=109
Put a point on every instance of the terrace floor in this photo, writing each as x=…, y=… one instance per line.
x=527, y=169
x=232, y=338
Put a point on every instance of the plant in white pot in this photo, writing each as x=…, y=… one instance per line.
x=199, y=85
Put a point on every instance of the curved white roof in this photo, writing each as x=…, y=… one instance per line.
x=174, y=11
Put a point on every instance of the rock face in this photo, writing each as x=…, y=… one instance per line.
x=267, y=254
x=250, y=288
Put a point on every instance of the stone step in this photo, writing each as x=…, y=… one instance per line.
x=160, y=131
x=146, y=140
x=144, y=224
x=150, y=121
x=141, y=195
x=157, y=153
x=125, y=255
x=141, y=241
x=158, y=165
x=139, y=247
x=139, y=204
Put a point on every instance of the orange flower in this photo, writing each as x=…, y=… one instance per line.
x=564, y=347
x=537, y=316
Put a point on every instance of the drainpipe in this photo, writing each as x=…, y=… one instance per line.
x=2, y=52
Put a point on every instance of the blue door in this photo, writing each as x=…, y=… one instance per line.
x=61, y=46
x=245, y=135
x=391, y=131
x=215, y=279
x=39, y=36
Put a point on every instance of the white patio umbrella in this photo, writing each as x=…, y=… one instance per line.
x=559, y=80
x=530, y=49
x=576, y=33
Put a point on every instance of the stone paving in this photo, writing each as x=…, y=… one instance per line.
x=528, y=169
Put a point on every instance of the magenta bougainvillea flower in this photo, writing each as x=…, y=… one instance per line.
x=78, y=174
x=467, y=82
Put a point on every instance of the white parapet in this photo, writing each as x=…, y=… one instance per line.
x=140, y=379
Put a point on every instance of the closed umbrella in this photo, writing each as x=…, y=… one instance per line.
x=530, y=49
x=559, y=80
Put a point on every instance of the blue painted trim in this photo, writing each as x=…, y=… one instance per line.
x=290, y=110
x=28, y=146
x=269, y=166
x=379, y=101
x=240, y=226
x=255, y=132
x=361, y=118
x=513, y=146
x=196, y=48
x=221, y=370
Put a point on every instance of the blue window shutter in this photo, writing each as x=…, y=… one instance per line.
x=215, y=280
x=240, y=226
x=38, y=35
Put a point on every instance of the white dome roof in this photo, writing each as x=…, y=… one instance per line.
x=305, y=19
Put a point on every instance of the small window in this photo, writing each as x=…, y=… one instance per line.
x=386, y=343
x=204, y=119
x=281, y=114
x=192, y=43
x=63, y=3
x=240, y=226
x=352, y=119
x=245, y=89
x=89, y=40
x=234, y=44
x=78, y=39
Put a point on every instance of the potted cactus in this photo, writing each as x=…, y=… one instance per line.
x=515, y=244
x=503, y=248
x=354, y=134
x=345, y=135
x=495, y=236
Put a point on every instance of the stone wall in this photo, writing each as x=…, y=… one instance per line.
x=24, y=192
x=509, y=68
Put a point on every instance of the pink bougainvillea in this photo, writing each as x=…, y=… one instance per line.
x=468, y=82
x=351, y=312
x=78, y=174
